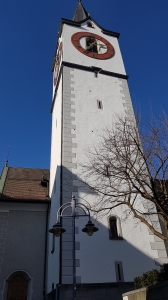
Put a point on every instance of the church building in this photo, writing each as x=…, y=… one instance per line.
x=90, y=87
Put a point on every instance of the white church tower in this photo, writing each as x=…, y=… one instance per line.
x=89, y=87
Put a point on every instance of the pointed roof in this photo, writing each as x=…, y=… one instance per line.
x=80, y=12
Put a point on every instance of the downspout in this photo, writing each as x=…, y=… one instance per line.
x=61, y=190
x=57, y=291
x=45, y=253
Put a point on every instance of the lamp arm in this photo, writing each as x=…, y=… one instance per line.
x=61, y=215
x=78, y=206
x=62, y=206
x=86, y=208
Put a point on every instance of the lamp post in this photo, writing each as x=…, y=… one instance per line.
x=57, y=229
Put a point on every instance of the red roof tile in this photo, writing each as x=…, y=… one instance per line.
x=25, y=184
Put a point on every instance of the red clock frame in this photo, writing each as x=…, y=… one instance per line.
x=75, y=39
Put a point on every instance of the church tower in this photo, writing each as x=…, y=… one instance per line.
x=89, y=88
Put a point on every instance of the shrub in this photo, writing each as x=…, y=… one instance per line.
x=147, y=279
x=137, y=283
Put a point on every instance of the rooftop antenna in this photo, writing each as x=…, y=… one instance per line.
x=6, y=164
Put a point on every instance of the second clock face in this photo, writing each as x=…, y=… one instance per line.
x=57, y=63
x=92, y=45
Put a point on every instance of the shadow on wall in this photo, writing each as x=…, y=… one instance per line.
x=105, y=265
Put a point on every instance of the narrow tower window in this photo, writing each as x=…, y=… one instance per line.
x=91, y=45
x=119, y=271
x=113, y=228
x=99, y=104
x=115, y=232
x=107, y=170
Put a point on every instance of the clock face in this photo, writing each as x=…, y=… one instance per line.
x=57, y=63
x=92, y=45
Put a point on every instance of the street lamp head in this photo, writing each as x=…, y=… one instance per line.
x=90, y=228
x=57, y=229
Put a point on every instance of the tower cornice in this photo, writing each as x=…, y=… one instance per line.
x=84, y=68
x=78, y=24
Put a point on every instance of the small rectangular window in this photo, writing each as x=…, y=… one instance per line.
x=107, y=170
x=99, y=104
x=119, y=271
x=114, y=226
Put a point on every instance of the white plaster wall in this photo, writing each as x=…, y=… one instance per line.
x=56, y=136
x=53, y=259
x=88, y=118
x=71, y=54
x=97, y=254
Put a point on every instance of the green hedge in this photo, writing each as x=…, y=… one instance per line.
x=151, y=277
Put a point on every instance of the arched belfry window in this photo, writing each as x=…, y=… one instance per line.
x=91, y=45
x=115, y=228
x=90, y=24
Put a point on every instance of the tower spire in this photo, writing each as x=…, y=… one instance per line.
x=80, y=12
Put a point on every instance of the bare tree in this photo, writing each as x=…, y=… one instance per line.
x=129, y=167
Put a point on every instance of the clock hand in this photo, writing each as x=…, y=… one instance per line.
x=90, y=45
x=102, y=45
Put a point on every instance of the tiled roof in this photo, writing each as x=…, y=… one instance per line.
x=25, y=184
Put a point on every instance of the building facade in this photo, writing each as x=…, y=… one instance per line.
x=24, y=208
x=89, y=89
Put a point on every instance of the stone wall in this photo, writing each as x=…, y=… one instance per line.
x=101, y=291
x=156, y=292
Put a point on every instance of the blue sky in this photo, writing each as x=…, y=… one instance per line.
x=28, y=34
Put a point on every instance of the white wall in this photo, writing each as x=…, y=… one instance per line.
x=55, y=163
x=82, y=89
x=98, y=253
